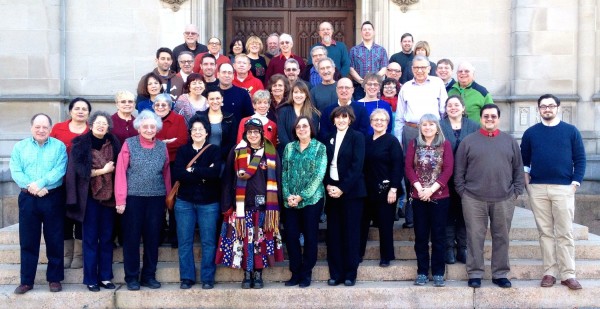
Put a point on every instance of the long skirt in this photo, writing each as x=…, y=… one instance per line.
x=255, y=250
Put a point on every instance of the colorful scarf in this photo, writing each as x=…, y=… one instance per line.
x=246, y=167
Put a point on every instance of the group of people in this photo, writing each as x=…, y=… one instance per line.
x=256, y=167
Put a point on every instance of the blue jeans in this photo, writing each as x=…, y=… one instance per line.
x=97, y=242
x=187, y=215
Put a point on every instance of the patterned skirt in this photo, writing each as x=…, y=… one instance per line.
x=256, y=250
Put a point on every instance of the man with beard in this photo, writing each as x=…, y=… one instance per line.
x=336, y=50
x=554, y=163
x=405, y=56
x=190, y=36
x=292, y=70
x=272, y=46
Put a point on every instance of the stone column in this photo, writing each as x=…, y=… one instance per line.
x=586, y=119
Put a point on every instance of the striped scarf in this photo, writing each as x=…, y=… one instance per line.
x=246, y=166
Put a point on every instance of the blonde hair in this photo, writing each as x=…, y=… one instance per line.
x=254, y=39
x=423, y=45
x=123, y=94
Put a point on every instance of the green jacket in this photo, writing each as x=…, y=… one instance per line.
x=303, y=172
x=475, y=97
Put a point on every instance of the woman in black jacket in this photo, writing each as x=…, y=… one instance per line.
x=345, y=186
x=223, y=124
x=197, y=202
x=90, y=198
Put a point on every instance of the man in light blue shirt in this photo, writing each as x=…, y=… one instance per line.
x=37, y=165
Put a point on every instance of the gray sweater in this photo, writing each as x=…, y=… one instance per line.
x=489, y=168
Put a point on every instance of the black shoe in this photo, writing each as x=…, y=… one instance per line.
x=247, y=282
x=186, y=284
x=304, y=283
x=333, y=282
x=23, y=288
x=475, y=283
x=108, y=286
x=258, y=282
x=292, y=282
x=349, y=282
x=151, y=283
x=461, y=255
x=133, y=285
x=502, y=282
x=207, y=286
x=407, y=225
x=93, y=288
x=384, y=263
x=450, y=258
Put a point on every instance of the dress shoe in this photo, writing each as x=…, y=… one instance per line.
x=133, y=285
x=151, y=283
x=304, y=283
x=461, y=255
x=292, y=282
x=548, y=281
x=333, y=282
x=207, y=286
x=55, y=286
x=407, y=225
x=186, y=284
x=108, y=285
x=450, y=258
x=502, y=282
x=572, y=284
x=475, y=283
x=93, y=288
x=349, y=282
x=384, y=263
x=23, y=288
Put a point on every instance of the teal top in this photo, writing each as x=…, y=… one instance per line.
x=303, y=172
x=45, y=165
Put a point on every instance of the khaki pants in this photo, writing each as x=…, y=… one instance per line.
x=554, y=207
x=500, y=216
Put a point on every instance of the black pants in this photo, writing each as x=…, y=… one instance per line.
x=430, y=223
x=306, y=221
x=142, y=219
x=378, y=210
x=456, y=232
x=34, y=212
x=343, y=236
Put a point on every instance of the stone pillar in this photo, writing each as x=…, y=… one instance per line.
x=586, y=65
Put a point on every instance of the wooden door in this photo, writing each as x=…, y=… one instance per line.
x=299, y=18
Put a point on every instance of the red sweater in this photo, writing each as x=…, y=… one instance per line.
x=251, y=83
x=173, y=126
x=61, y=132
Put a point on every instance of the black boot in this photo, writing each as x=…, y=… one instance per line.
x=258, y=282
x=247, y=282
x=450, y=259
x=461, y=254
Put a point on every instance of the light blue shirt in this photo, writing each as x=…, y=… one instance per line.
x=45, y=165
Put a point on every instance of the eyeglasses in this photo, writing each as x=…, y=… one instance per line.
x=100, y=123
x=547, y=107
x=373, y=84
x=291, y=69
x=463, y=71
x=186, y=61
x=253, y=132
x=302, y=126
x=345, y=87
x=389, y=87
x=190, y=33
x=489, y=116
x=214, y=43
x=161, y=105
x=423, y=68
x=199, y=130
x=148, y=127
x=379, y=120
x=285, y=42
x=395, y=71
x=126, y=101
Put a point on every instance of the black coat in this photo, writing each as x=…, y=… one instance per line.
x=79, y=170
x=202, y=186
x=350, y=163
x=229, y=125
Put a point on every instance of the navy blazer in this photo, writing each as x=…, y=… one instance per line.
x=350, y=162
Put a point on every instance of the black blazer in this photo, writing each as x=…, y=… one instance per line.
x=350, y=162
x=229, y=125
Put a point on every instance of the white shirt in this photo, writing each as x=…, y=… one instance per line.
x=333, y=170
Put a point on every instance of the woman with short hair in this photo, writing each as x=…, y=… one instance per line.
x=192, y=100
x=258, y=62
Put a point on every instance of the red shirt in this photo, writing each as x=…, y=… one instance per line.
x=251, y=83
x=484, y=132
x=173, y=126
x=62, y=132
x=198, y=60
x=277, y=65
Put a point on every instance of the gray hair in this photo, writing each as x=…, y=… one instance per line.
x=326, y=59
x=439, y=138
x=285, y=36
x=293, y=61
x=378, y=111
x=421, y=58
x=185, y=52
x=122, y=94
x=317, y=48
x=164, y=97
x=147, y=115
x=97, y=114
x=261, y=95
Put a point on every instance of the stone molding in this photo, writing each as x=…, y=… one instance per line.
x=404, y=4
x=175, y=4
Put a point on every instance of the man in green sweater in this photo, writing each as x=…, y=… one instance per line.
x=488, y=174
x=474, y=95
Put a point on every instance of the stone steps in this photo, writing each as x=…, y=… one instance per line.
x=403, y=294
x=404, y=250
x=368, y=271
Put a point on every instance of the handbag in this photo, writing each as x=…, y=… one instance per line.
x=170, y=198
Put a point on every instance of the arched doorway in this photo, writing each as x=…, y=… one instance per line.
x=300, y=18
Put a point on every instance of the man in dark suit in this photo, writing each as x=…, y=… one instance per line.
x=344, y=90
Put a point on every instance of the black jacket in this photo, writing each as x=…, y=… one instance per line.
x=350, y=162
x=229, y=125
x=202, y=186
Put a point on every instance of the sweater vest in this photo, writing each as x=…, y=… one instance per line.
x=145, y=171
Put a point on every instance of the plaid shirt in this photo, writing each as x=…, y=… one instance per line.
x=365, y=60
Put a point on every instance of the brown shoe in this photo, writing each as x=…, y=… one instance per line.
x=23, y=288
x=55, y=287
x=572, y=283
x=548, y=281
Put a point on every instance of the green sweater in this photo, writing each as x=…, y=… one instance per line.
x=475, y=96
x=303, y=172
